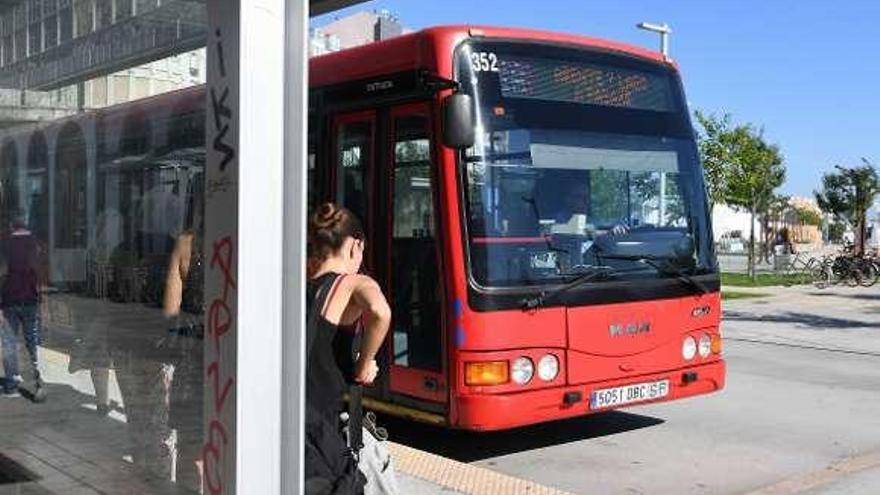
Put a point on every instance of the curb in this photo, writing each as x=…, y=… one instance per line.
x=461, y=477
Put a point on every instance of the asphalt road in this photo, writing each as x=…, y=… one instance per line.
x=800, y=414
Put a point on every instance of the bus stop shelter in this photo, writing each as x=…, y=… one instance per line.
x=255, y=192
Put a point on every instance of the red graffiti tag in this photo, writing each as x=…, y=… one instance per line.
x=219, y=315
x=220, y=322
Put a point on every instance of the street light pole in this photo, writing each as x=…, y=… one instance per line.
x=663, y=30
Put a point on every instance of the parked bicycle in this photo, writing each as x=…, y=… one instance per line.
x=848, y=269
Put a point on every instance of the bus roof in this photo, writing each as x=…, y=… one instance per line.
x=431, y=49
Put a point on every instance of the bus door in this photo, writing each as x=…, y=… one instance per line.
x=412, y=282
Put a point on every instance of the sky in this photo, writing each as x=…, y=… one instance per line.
x=807, y=72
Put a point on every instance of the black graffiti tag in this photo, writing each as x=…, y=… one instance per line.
x=222, y=114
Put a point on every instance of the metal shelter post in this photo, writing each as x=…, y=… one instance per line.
x=294, y=262
x=243, y=247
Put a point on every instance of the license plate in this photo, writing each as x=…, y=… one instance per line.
x=617, y=396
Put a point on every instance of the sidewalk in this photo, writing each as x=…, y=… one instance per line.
x=64, y=447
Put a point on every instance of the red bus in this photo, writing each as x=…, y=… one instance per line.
x=534, y=202
x=537, y=215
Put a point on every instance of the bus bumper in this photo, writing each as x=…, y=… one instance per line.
x=502, y=411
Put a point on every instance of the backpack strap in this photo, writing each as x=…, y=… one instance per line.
x=355, y=417
x=355, y=401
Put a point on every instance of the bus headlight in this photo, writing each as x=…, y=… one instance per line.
x=521, y=370
x=548, y=368
x=689, y=348
x=705, y=346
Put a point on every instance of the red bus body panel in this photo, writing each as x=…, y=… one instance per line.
x=595, y=354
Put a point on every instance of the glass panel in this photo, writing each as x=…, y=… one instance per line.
x=21, y=40
x=120, y=88
x=82, y=11
x=144, y=6
x=101, y=249
x=35, y=27
x=37, y=187
x=414, y=249
x=65, y=19
x=354, y=145
x=99, y=92
x=50, y=31
x=8, y=180
x=103, y=14
x=70, y=188
x=123, y=9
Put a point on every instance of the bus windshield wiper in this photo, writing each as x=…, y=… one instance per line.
x=583, y=277
x=663, y=266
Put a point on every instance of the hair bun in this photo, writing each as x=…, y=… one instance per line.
x=328, y=215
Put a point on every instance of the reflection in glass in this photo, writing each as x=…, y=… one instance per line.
x=101, y=240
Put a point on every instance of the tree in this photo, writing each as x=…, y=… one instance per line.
x=755, y=170
x=741, y=169
x=714, y=140
x=848, y=194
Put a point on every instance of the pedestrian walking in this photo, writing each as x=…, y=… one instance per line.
x=20, y=303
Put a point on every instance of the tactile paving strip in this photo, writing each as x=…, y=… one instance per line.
x=461, y=477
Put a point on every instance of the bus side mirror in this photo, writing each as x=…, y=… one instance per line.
x=458, y=121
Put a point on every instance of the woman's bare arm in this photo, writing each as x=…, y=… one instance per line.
x=376, y=317
x=178, y=268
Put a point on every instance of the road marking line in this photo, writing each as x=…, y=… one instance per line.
x=821, y=477
x=807, y=346
x=461, y=477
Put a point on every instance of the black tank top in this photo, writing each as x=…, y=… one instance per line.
x=325, y=382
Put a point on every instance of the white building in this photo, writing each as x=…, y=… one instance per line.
x=728, y=222
x=355, y=30
x=168, y=74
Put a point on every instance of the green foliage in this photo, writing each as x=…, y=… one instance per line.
x=728, y=295
x=836, y=231
x=806, y=216
x=713, y=138
x=756, y=170
x=760, y=280
x=741, y=168
x=848, y=194
x=607, y=189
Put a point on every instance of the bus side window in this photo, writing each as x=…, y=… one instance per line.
x=354, y=154
x=416, y=283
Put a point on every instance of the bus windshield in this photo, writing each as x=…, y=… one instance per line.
x=581, y=161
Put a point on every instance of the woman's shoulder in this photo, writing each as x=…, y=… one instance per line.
x=359, y=280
